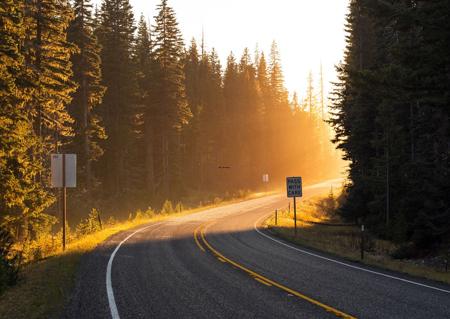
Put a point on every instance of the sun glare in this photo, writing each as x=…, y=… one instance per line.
x=308, y=32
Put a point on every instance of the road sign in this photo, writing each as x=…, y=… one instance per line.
x=265, y=178
x=64, y=174
x=294, y=186
x=294, y=189
x=69, y=163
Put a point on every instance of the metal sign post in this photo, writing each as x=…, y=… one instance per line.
x=294, y=189
x=64, y=168
x=64, y=204
x=362, y=241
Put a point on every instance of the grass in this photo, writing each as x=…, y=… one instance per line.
x=45, y=286
x=344, y=241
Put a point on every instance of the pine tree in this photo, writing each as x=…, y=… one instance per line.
x=145, y=65
x=278, y=112
x=351, y=104
x=17, y=186
x=47, y=54
x=249, y=118
x=193, y=133
x=214, y=116
x=116, y=37
x=168, y=97
x=86, y=65
x=232, y=124
x=391, y=119
x=279, y=94
x=310, y=95
x=265, y=102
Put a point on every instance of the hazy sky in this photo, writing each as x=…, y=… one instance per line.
x=307, y=31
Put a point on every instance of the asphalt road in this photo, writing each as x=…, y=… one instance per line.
x=219, y=264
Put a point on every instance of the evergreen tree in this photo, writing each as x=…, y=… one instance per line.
x=17, y=188
x=391, y=119
x=232, y=123
x=214, y=115
x=145, y=65
x=195, y=99
x=279, y=94
x=47, y=54
x=249, y=119
x=118, y=109
x=168, y=97
x=86, y=66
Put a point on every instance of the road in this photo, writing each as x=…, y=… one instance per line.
x=220, y=263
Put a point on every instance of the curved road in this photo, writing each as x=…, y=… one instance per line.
x=220, y=264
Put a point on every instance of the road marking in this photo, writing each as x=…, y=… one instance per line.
x=109, y=289
x=262, y=281
x=343, y=263
x=266, y=280
x=196, y=239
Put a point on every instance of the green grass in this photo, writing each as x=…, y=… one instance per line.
x=45, y=286
x=344, y=241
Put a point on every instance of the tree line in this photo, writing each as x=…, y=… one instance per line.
x=149, y=118
x=391, y=117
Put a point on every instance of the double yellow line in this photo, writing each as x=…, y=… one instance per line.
x=201, y=242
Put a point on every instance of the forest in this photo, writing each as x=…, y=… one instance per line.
x=162, y=126
x=150, y=117
x=391, y=117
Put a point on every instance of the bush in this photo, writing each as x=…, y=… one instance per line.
x=328, y=205
x=91, y=224
x=111, y=221
x=179, y=208
x=149, y=213
x=405, y=251
x=139, y=215
x=167, y=207
x=9, y=261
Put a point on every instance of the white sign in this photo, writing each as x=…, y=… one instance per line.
x=57, y=178
x=265, y=178
x=294, y=186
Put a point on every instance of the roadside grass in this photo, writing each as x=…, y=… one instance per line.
x=345, y=241
x=45, y=285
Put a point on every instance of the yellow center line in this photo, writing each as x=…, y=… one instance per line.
x=196, y=239
x=262, y=281
x=266, y=280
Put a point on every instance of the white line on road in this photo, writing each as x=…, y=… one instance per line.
x=109, y=289
x=342, y=263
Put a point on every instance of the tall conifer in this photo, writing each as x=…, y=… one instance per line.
x=116, y=37
x=86, y=66
x=168, y=97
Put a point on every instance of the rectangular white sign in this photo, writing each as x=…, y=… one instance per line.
x=294, y=186
x=57, y=170
x=265, y=178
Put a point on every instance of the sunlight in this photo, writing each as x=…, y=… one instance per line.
x=308, y=32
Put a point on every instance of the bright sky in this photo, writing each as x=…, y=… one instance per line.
x=308, y=32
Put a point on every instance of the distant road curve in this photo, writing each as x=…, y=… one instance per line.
x=219, y=264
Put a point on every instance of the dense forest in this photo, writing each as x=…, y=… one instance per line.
x=391, y=117
x=149, y=118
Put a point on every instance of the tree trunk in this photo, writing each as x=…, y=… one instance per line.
x=85, y=130
x=165, y=164
x=149, y=162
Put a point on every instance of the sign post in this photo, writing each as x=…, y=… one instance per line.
x=64, y=174
x=294, y=189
